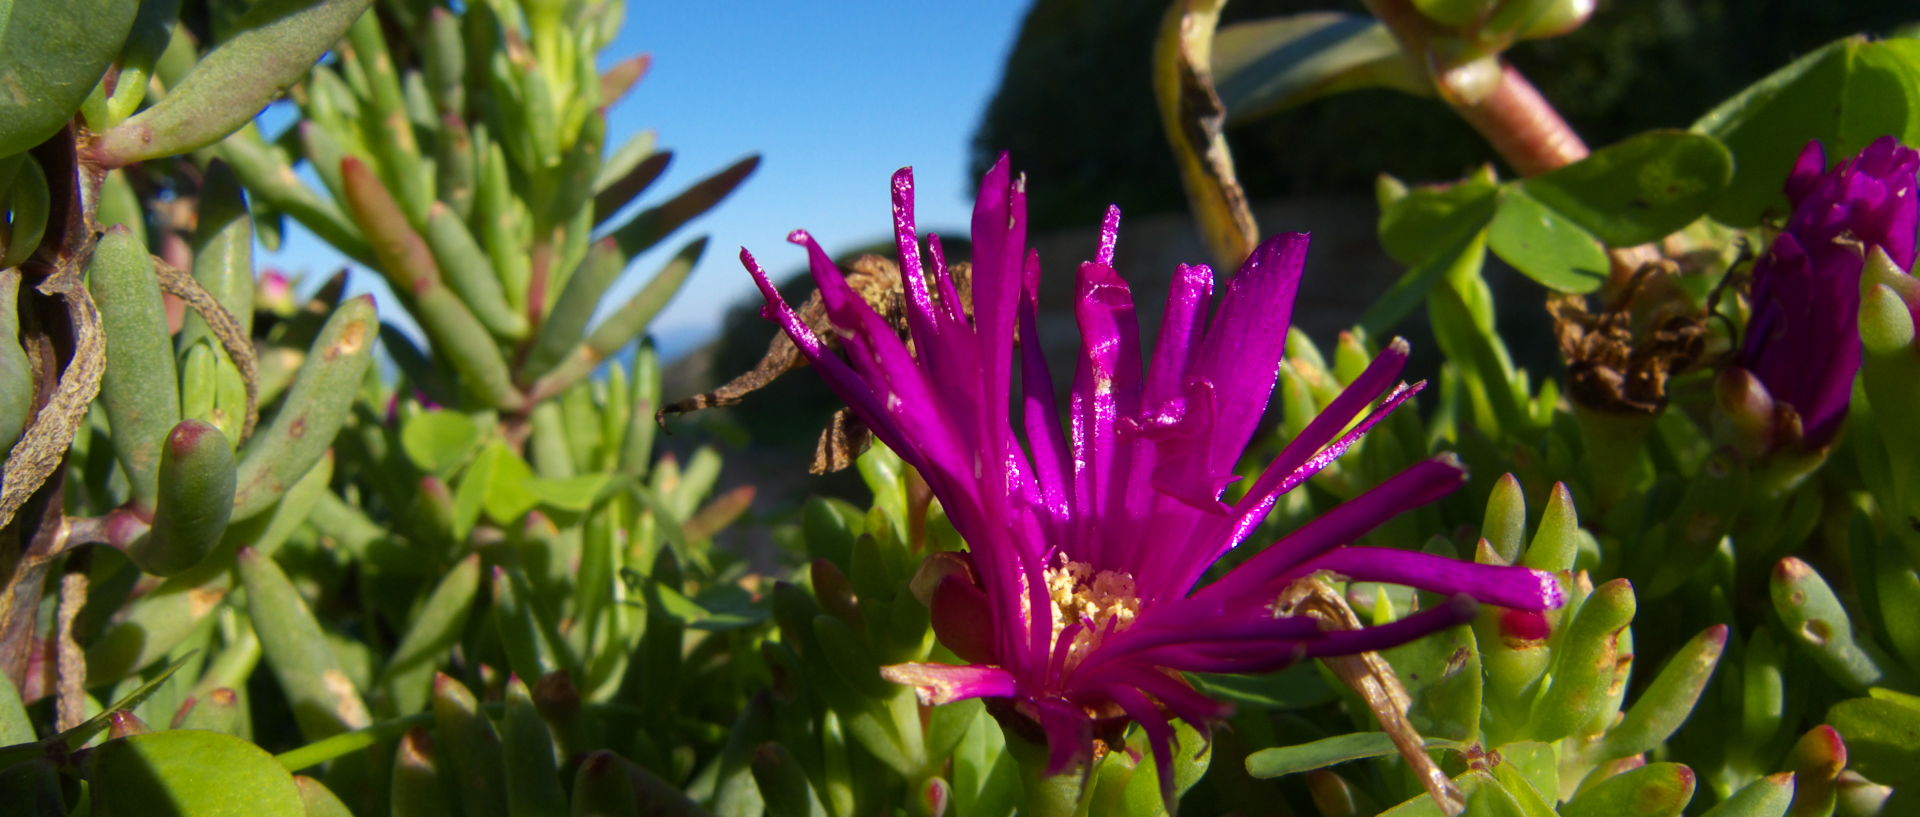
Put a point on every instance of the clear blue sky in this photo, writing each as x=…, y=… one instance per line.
x=833, y=96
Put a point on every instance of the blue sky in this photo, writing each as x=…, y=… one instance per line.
x=834, y=96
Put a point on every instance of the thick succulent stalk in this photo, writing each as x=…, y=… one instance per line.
x=1494, y=98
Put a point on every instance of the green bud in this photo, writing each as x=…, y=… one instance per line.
x=324, y=699
x=320, y=800
x=216, y=711
x=1814, y=617
x=1666, y=703
x=1817, y=760
x=195, y=501
x=473, y=759
x=1769, y=796
x=1653, y=790
x=1559, y=18
x=1886, y=325
x=602, y=788
x=1587, y=664
x=122, y=723
x=1879, y=736
x=533, y=778
x=1505, y=525
x=783, y=784
x=1748, y=410
x=311, y=413
x=436, y=627
x=139, y=387
x=1557, y=541
x=470, y=274
x=1880, y=270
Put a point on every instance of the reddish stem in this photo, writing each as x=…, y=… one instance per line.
x=1523, y=127
x=1520, y=124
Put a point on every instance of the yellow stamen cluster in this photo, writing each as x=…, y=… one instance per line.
x=1095, y=600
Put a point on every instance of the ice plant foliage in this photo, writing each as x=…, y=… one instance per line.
x=1079, y=597
x=1803, y=341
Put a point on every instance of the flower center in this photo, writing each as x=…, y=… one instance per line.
x=1101, y=602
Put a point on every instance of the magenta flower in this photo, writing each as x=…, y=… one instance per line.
x=1803, y=341
x=1079, y=600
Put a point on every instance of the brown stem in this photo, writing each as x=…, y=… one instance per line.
x=71, y=700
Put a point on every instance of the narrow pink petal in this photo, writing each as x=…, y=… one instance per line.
x=1069, y=734
x=1182, y=700
x=946, y=683
x=1041, y=415
x=1240, y=659
x=1106, y=387
x=1516, y=587
x=1420, y=484
x=1244, y=345
x=1309, y=454
x=851, y=388
x=1159, y=736
x=1182, y=325
x=1160, y=629
x=1109, y=236
x=1456, y=611
x=922, y=321
x=951, y=304
x=886, y=364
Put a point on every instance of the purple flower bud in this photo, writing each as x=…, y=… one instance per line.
x=1803, y=340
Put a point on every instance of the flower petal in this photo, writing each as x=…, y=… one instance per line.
x=946, y=683
x=1420, y=484
x=1517, y=587
x=1458, y=610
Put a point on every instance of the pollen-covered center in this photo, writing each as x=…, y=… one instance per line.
x=1101, y=602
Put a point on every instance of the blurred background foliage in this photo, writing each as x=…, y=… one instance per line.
x=1075, y=103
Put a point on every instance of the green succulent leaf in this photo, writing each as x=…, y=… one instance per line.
x=1653, y=790
x=52, y=54
x=1543, y=244
x=1845, y=94
x=1639, y=190
x=274, y=44
x=1280, y=761
x=191, y=774
x=1265, y=66
x=1883, y=738
x=1429, y=220
x=1769, y=796
x=438, y=441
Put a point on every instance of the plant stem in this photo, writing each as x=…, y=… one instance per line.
x=1520, y=124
